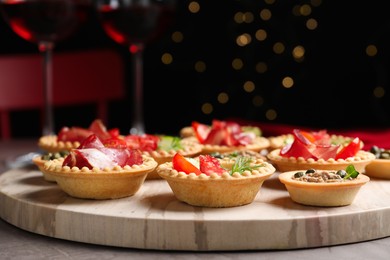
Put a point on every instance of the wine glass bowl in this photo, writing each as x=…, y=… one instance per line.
x=45, y=22
x=134, y=24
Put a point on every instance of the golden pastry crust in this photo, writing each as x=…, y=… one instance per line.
x=95, y=183
x=187, y=131
x=379, y=168
x=258, y=144
x=49, y=143
x=322, y=194
x=39, y=162
x=284, y=164
x=215, y=190
x=190, y=149
x=277, y=142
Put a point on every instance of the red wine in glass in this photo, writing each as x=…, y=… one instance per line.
x=45, y=22
x=134, y=24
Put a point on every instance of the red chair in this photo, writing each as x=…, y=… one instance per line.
x=79, y=77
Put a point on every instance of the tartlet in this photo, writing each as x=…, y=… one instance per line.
x=225, y=136
x=284, y=164
x=380, y=166
x=324, y=194
x=277, y=142
x=217, y=190
x=49, y=143
x=95, y=183
x=258, y=144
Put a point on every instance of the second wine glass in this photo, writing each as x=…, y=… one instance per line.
x=135, y=23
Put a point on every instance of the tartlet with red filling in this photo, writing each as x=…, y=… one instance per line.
x=225, y=136
x=97, y=171
x=210, y=182
x=315, y=150
x=71, y=137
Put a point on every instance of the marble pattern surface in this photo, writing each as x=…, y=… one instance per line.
x=154, y=219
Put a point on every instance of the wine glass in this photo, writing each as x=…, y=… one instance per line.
x=45, y=22
x=135, y=23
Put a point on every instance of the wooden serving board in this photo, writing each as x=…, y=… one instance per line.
x=154, y=219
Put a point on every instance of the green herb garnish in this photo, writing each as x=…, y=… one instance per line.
x=243, y=164
x=168, y=143
x=253, y=129
x=351, y=172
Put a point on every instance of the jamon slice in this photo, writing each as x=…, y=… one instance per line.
x=92, y=153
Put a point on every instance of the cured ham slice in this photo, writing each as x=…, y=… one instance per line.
x=92, y=153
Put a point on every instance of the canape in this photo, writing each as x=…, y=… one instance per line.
x=95, y=183
x=215, y=182
x=380, y=166
x=309, y=151
x=225, y=136
x=323, y=187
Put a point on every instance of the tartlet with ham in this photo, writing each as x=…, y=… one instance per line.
x=225, y=136
x=71, y=137
x=316, y=150
x=97, y=170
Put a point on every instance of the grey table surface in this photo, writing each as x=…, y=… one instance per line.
x=16, y=243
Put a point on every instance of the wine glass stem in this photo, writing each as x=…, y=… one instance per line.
x=46, y=49
x=138, y=126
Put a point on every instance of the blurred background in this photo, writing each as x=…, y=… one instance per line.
x=319, y=64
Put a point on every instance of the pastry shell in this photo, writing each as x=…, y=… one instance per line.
x=258, y=144
x=284, y=164
x=322, y=194
x=100, y=184
x=379, y=168
x=216, y=191
x=49, y=143
x=39, y=162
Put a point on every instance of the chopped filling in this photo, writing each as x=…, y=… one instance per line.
x=321, y=176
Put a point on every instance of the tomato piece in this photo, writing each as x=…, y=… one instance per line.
x=201, y=131
x=209, y=164
x=301, y=136
x=349, y=150
x=308, y=135
x=181, y=164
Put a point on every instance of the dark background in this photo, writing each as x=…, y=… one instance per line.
x=334, y=84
